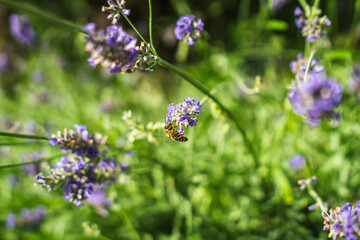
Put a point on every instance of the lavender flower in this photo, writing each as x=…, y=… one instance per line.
x=298, y=67
x=115, y=50
x=27, y=218
x=316, y=98
x=80, y=142
x=355, y=81
x=297, y=161
x=343, y=222
x=99, y=200
x=115, y=9
x=21, y=29
x=188, y=29
x=312, y=27
x=4, y=63
x=78, y=176
x=184, y=114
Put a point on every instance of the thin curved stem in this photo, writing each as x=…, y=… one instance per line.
x=150, y=29
x=31, y=9
x=201, y=88
x=317, y=198
x=30, y=162
x=308, y=66
x=17, y=135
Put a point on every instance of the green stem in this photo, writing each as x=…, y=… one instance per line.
x=150, y=29
x=316, y=4
x=309, y=64
x=201, y=88
x=22, y=144
x=16, y=135
x=30, y=162
x=30, y=9
x=318, y=200
x=305, y=6
x=135, y=29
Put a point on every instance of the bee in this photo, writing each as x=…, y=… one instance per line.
x=173, y=134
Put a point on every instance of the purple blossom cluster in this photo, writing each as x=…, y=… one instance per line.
x=78, y=176
x=184, y=114
x=27, y=218
x=189, y=29
x=355, y=81
x=21, y=29
x=312, y=27
x=316, y=96
x=4, y=63
x=85, y=167
x=343, y=222
x=79, y=142
x=113, y=49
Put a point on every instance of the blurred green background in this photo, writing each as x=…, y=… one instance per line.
x=208, y=187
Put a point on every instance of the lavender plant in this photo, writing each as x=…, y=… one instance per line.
x=312, y=94
x=21, y=29
x=184, y=115
x=188, y=29
x=85, y=167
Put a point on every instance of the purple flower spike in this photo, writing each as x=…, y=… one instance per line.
x=113, y=49
x=316, y=98
x=312, y=28
x=343, y=222
x=21, y=30
x=188, y=29
x=184, y=114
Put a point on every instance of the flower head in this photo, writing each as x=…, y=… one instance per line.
x=184, y=114
x=343, y=221
x=189, y=29
x=21, y=29
x=4, y=63
x=78, y=176
x=297, y=161
x=115, y=9
x=316, y=98
x=79, y=142
x=115, y=50
x=85, y=167
x=313, y=27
